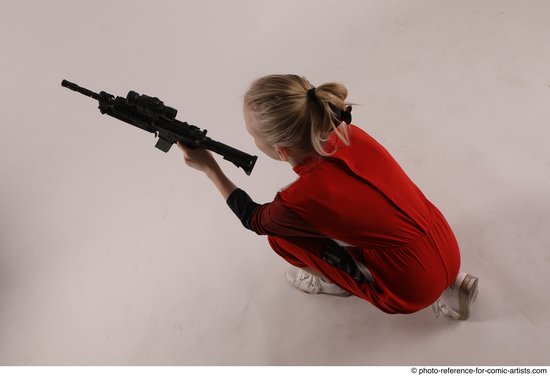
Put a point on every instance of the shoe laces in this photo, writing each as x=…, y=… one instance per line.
x=313, y=282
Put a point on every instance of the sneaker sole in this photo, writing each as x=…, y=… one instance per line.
x=467, y=295
x=343, y=294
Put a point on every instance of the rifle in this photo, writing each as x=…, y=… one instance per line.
x=150, y=114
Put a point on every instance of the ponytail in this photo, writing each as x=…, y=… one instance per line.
x=327, y=111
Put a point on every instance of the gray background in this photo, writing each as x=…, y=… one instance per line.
x=114, y=253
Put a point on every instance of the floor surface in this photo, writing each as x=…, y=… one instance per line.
x=114, y=253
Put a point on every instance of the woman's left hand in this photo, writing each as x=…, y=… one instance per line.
x=199, y=159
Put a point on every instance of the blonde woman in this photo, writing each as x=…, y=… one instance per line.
x=353, y=223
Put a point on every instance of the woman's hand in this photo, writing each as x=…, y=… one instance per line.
x=203, y=160
x=199, y=159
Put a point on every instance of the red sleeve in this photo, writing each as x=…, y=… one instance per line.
x=276, y=219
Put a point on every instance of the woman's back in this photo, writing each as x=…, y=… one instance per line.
x=359, y=195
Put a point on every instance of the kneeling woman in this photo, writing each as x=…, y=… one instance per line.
x=353, y=223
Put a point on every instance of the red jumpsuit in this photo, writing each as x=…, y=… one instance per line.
x=362, y=197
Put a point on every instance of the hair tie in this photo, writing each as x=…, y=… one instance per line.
x=311, y=95
x=345, y=115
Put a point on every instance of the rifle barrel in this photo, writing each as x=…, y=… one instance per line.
x=81, y=90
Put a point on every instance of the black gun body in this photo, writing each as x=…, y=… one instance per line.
x=169, y=130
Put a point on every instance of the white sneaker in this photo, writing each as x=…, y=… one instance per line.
x=311, y=284
x=454, y=304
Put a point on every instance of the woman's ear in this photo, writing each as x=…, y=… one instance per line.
x=282, y=152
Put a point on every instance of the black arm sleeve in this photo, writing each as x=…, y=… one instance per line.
x=242, y=205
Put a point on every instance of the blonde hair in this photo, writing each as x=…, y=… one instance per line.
x=287, y=116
